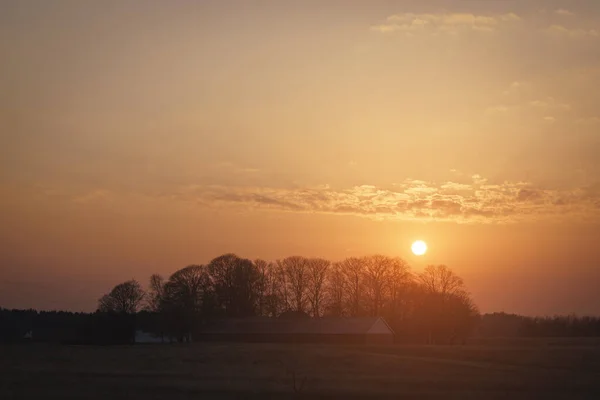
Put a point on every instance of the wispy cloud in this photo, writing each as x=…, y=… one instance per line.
x=474, y=202
x=497, y=110
x=588, y=121
x=517, y=87
x=93, y=196
x=234, y=168
x=573, y=33
x=549, y=103
x=564, y=12
x=445, y=23
x=519, y=98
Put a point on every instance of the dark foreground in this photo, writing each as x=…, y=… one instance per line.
x=203, y=371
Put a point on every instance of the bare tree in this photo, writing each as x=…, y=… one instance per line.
x=441, y=279
x=282, y=287
x=237, y=283
x=446, y=310
x=188, y=285
x=377, y=278
x=335, y=290
x=155, y=302
x=186, y=295
x=400, y=280
x=317, y=273
x=262, y=268
x=295, y=272
x=353, y=270
x=155, y=293
x=222, y=273
x=270, y=299
x=125, y=298
x=466, y=316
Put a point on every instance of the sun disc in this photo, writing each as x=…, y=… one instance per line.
x=419, y=248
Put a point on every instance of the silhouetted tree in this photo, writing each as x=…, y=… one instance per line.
x=441, y=279
x=353, y=270
x=445, y=310
x=317, y=273
x=125, y=298
x=377, y=275
x=335, y=289
x=115, y=320
x=237, y=284
x=295, y=274
x=155, y=293
x=262, y=267
x=463, y=315
x=397, y=305
x=271, y=301
x=156, y=319
x=184, y=300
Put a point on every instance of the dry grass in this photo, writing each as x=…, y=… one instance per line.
x=307, y=371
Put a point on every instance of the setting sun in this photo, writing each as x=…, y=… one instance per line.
x=419, y=248
x=221, y=181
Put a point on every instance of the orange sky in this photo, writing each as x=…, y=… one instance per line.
x=141, y=137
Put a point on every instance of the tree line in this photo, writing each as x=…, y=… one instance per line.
x=430, y=306
x=110, y=328
x=67, y=327
x=512, y=325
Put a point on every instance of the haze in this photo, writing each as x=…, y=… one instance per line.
x=139, y=137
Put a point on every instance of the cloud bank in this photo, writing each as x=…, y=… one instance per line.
x=444, y=23
x=412, y=24
x=413, y=200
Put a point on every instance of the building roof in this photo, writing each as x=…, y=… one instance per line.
x=308, y=326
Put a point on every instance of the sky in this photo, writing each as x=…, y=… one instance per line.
x=138, y=137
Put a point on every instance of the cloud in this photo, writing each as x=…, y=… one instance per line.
x=477, y=201
x=446, y=23
x=98, y=195
x=235, y=169
x=564, y=12
x=518, y=98
x=550, y=103
x=588, y=121
x=516, y=88
x=496, y=110
x=573, y=33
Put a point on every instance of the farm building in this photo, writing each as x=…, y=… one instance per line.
x=145, y=337
x=363, y=330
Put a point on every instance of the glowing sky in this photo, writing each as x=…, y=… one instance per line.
x=139, y=137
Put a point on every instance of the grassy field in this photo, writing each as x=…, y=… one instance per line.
x=202, y=371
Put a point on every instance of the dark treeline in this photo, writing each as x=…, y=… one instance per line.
x=431, y=306
x=66, y=327
x=511, y=325
x=111, y=328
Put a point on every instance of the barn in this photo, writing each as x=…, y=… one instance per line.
x=338, y=330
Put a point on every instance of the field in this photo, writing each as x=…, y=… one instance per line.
x=545, y=370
